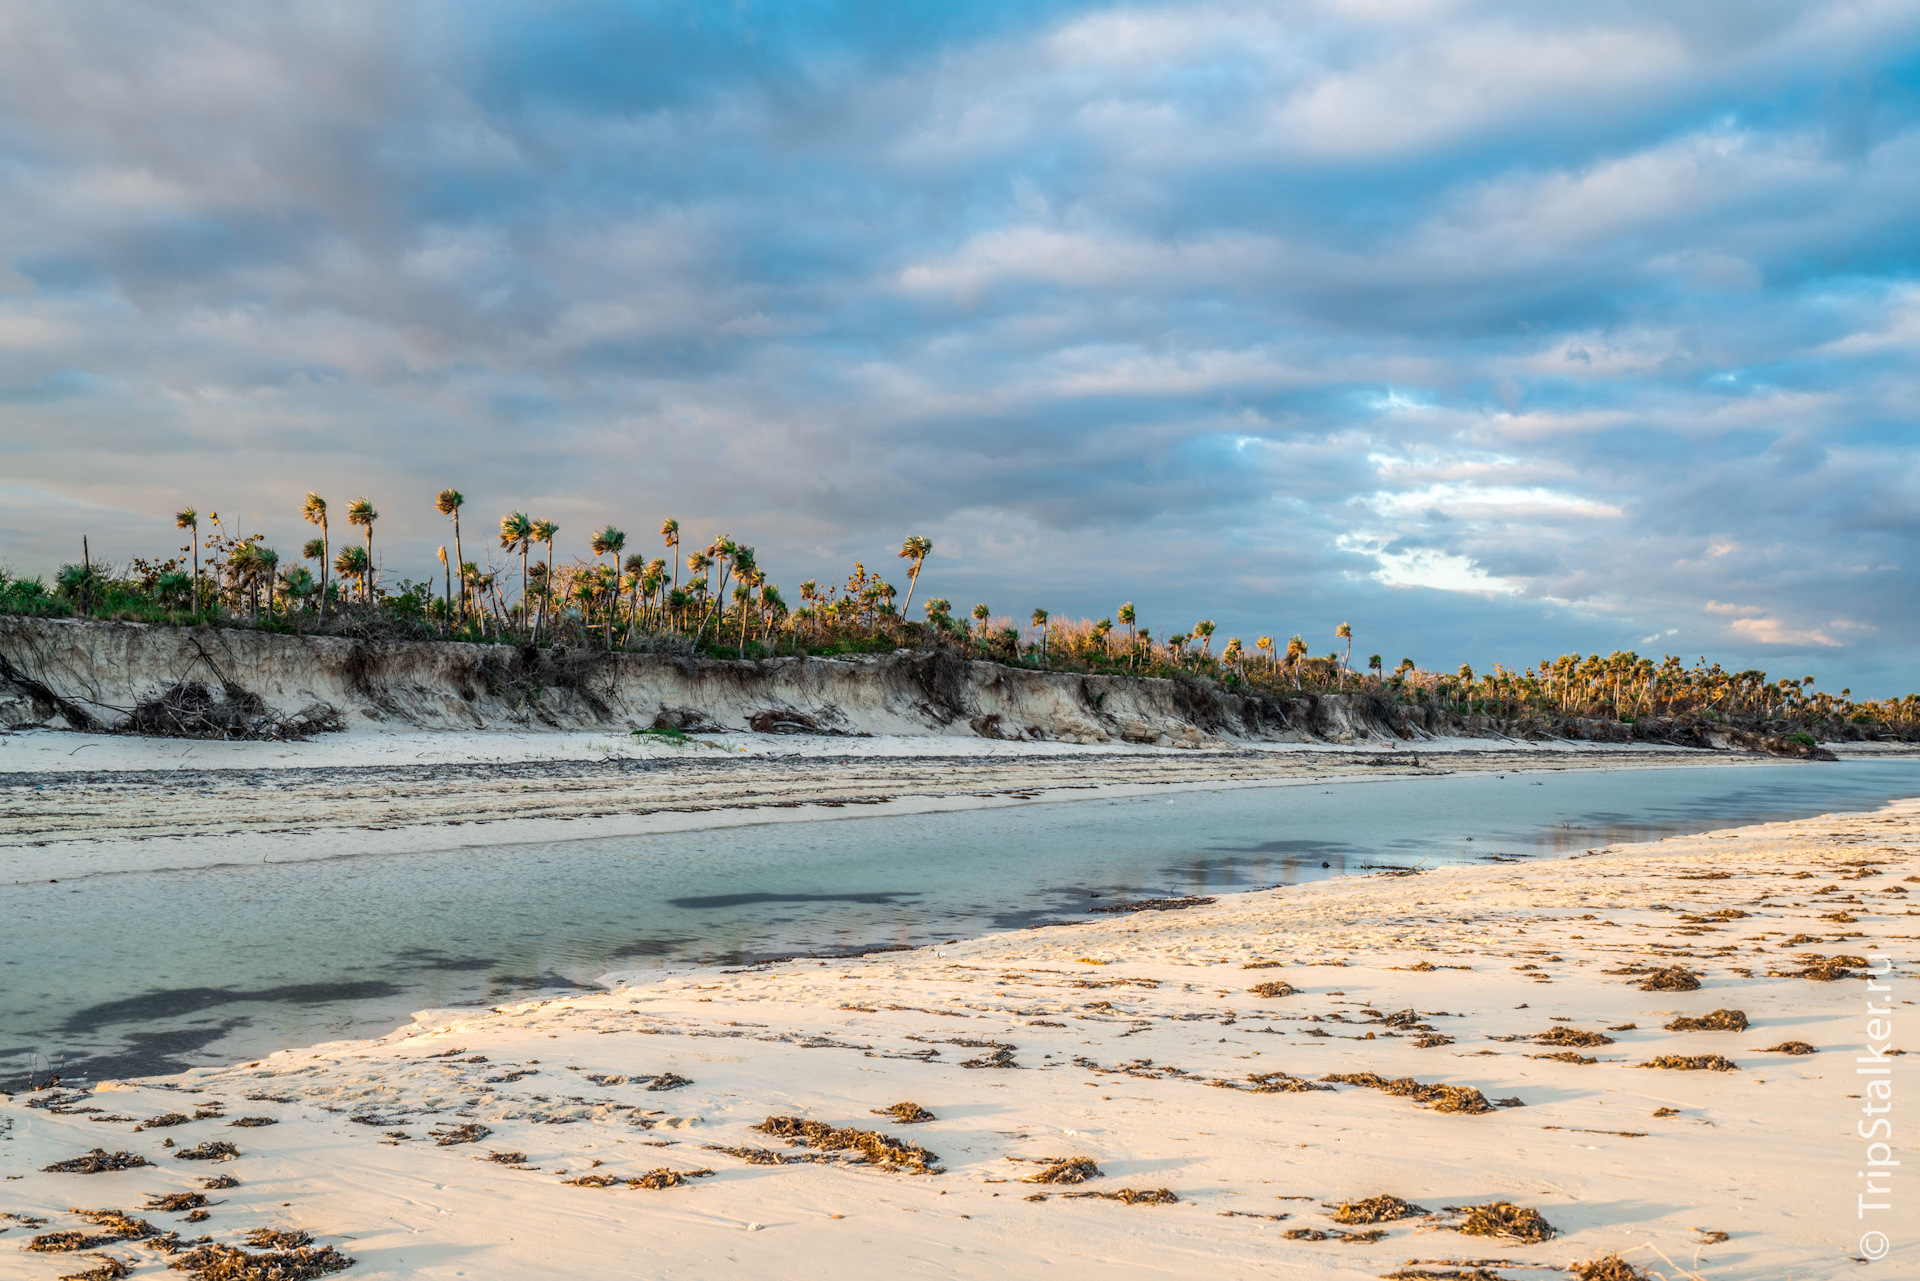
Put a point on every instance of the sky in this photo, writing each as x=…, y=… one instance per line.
x=1498, y=329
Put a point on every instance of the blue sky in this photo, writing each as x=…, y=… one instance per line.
x=1499, y=329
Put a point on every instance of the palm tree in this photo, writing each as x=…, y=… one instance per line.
x=746, y=571
x=670, y=531
x=1374, y=664
x=266, y=566
x=980, y=615
x=543, y=532
x=1103, y=629
x=1204, y=630
x=315, y=511
x=516, y=530
x=447, y=568
x=1126, y=617
x=298, y=583
x=1265, y=646
x=1040, y=617
x=448, y=503
x=1345, y=633
x=915, y=549
x=607, y=542
x=353, y=563
x=188, y=518
x=360, y=512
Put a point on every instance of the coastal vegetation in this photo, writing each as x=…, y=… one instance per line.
x=718, y=601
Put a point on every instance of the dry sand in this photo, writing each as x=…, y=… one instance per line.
x=1132, y=1040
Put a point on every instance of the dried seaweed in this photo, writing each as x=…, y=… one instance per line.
x=215, y=1182
x=1791, y=1047
x=1610, y=1267
x=1279, y=1083
x=1718, y=1021
x=1366, y=1237
x=668, y=1081
x=1691, y=1063
x=278, y=1238
x=1675, y=978
x=757, y=1156
x=1375, y=1209
x=469, y=1132
x=882, y=1150
x=1155, y=904
x=593, y=1181
x=162, y=1122
x=1823, y=969
x=1505, y=1220
x=1071, y=1169
x=1278, y=987
x=214, y=1150
x=906, y=1113
x=107, y=1268
x=98, y=1161
x=211, y=1262
x=1571, y=1036
x=175, y=1202
x=1442, y=1098
x=661, y=1178
x=1441, y=1274
x=1131, y=1196
x=253, y=1122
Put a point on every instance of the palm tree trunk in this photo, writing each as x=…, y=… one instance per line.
x=325, y=553
x=460, y=560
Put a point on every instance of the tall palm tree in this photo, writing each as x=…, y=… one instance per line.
x=543, y=532
x=915, y=549
x=1204, y=630
x=1040, y=617
x=1265, y=645
x=447, y=568
x=746, y=571
x=448, y=502
x=516, y=531
x=980, y=615
x=1345, y=633
x=315, y=511
x=353, y=563
x=266, y=568
x=188, y=518
x=1127, y=618
x=670, y=531
x=607, y=542
x=360, y=512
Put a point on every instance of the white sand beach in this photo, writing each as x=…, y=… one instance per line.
x=503, y=1143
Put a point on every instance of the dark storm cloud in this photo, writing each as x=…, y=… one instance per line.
x=1496, y=328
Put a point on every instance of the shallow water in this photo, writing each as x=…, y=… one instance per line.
x=153, y=971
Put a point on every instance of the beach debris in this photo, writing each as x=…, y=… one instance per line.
x=163, y=1121
x=1131, y=1196
x=506, y=1158
x=1156, y=904
x=1261, y=965
x=214, y=1150
x=1718, y=1021
x=1566, y=1056
x=1429, y=1040
x=668, y=1081
x=1442, y=1097
x=906, y=1113
x=1276, y=1083
x=1666, y=1111
x=1675, y=978
x=1367, y=1237
x=1710, y=1236
x=211, y=1262
x=468, y=1132
x=278, y=1238
x=593, y=1181
x=1001, y=1057
x=1070, y=1169
x=882, y=1150
x=1375, y=1209
x=106, y=1268
x=1278, y=987
x=1441, y=1274
x=253, y=1122
x=175, y=1202
x=662, y=1178
x=1503, y=1219
x=1790, y=1047
x=98, y=1161
x=215, y=1182
x=1571, y=1036
x=1609, y=1267
x=1823, y=969
x=1691, y=1063
x=116, y=1226
x=759, y=1156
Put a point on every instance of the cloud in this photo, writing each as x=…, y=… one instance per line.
x=1498, y=329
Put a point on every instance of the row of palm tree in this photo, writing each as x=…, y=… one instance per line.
x=612, y=598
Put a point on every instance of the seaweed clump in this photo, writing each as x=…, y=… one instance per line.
x=1375, y=1209
x=1691, y=1063
x=470, y=1132
x=1278, y=987
x=661, y=1178
x=1071, y=1169
x=1718, y=1021
x=1130, y=1196
x=882, y=1150
x=1571, y=1036
x=1791, y=1047
x=1505, y=1220
x=98, y=1161
x=211, y=1262
x=106, y=1268
x=1610, y=1267
x=1675, y=978
x=214, y=1150
x=1441, y=1097
x=906, y=1113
